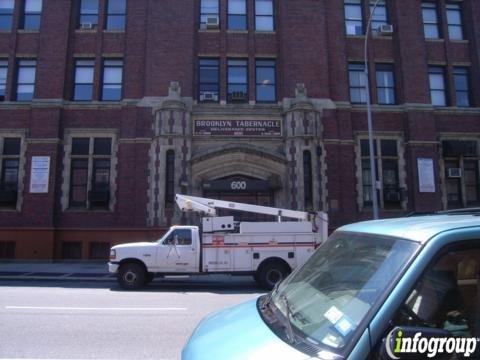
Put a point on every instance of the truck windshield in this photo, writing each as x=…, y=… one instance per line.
x=327, y=298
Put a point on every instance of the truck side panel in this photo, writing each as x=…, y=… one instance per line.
x=239, y=252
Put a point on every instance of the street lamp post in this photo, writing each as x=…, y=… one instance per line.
x=373, y=172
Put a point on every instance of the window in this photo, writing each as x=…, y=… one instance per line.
x=436, y=76
x=385, y=84
x=353, y=17
x=90, y=172
x=461, y=173
x=462, y=91
x=237, y=15
x=88, y=14
x=430, y=20
x=83, y=87
x=264, y=15
x=208, y=9
x=357, y=80
x=265, y=80
x=446, y=295
x=237, y=87
x=386, y=161
x=26, y=80
x=179, y=237
x=454, y=20
x=307, y=179
x=3, y=78
x=6, y=14
x=112, y=80
x=380, y=16
x=170, y=179
x=32, y=14
x=10, y=165
x=208, y=83
x=116, y=13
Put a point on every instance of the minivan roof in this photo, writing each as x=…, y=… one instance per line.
x=418, y=228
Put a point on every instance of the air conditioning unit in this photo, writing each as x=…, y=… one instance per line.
x=385, y=29
x=208, y=96
x=239, y=96
x=86, y=26
x=212, y=22
x=454, y=173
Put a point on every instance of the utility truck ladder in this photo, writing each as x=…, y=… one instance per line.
x=208, y=207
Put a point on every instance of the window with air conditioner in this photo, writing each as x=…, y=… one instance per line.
x=461, y=176
x=208, y=80
x=379, y=17
x=209, y=14
x=88, y=15
x=353, y=17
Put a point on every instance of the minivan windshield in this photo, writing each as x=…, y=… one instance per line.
x=328, y=297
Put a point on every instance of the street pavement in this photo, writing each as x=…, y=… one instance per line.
x=77, y=311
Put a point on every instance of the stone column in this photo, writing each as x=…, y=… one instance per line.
x=172, y=131
x=304, y=132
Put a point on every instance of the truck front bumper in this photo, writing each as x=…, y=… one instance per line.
x=113, y=267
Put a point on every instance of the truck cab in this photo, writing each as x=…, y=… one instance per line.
x=178, y=251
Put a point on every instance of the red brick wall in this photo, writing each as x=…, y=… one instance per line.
x=162, y=43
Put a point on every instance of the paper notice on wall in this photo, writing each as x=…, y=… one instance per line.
x=40, y=174
x=426, y=175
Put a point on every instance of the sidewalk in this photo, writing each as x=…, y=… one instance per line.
x=95, y=271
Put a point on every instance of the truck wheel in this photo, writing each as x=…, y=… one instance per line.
x=131, y=276
x=272, y=273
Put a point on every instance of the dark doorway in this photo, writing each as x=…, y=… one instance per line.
x=242, y=189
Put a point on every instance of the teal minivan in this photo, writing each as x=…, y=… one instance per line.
x=385, y=289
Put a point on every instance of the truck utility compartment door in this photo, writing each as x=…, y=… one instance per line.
x=217, y=259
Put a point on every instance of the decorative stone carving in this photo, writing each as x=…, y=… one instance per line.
x=301, y=92
x=174, y=91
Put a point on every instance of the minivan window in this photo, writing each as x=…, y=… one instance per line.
x=327, y=299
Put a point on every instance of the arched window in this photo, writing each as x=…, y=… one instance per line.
x=170, y=178
x=307, y=179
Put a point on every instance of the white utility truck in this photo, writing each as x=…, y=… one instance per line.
x=266, y=250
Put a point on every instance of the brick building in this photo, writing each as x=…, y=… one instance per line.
x=110, y=107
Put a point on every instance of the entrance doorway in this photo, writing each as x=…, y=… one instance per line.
x=241, y=189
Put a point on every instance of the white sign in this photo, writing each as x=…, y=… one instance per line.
x=426, y=175
x=40, y=174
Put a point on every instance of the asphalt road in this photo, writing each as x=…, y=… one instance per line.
x=62, y=320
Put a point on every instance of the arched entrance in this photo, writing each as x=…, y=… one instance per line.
x=241, y=173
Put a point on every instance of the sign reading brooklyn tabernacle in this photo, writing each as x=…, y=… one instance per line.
x=238, y=127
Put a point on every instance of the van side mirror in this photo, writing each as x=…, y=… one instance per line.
x=412, y=343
